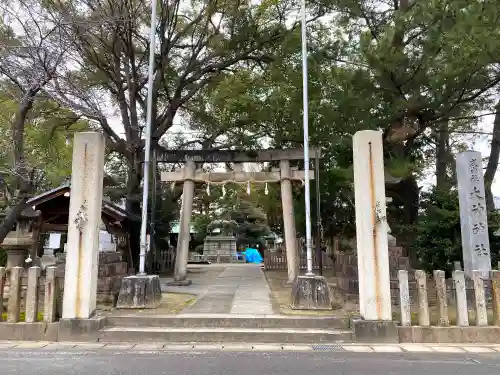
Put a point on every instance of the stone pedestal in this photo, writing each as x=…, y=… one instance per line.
x=139, y=292
x=48, y=259
x=311, y=293
x=80, y=329
x=373, y=331
x=17, y=245
x=16, y=256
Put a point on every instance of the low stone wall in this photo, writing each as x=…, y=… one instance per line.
x=449, y=335
x=278, y=261
x=110, y=274
x=346, y=272
x=32, y=311
x=41, y=294
x=346, y=277
x=458, y=317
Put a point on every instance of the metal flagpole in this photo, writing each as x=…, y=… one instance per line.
x=152, y=217
x=319, y=252
x=306, y=138
x=147, y=151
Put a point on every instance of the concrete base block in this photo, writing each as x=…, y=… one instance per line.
x=80, y=329
x=449, y=335
x=185, y=282
x=139, y=292
x=29, y=331
x=374, y=331
x=311, y=293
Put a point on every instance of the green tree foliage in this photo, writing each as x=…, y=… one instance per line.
x=418, y=71
x=251, y=222
x=437, y=237
x=197, y=42
x=201, y=223
x=235, y=212
x=48, y=143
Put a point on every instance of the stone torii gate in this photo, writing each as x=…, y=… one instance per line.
x=189, y=175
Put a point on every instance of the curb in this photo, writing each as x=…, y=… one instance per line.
x=159, y=347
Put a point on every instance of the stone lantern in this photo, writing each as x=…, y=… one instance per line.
x=19, y=242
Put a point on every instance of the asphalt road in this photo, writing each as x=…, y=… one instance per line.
x=45, y=362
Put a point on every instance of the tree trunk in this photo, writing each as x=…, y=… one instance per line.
x=23, y=179
x=410, y=193
x=11, y=219
x=443, y=180
x=491, y=168
x=133, y=205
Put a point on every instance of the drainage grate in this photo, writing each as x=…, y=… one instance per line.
x=327, y=348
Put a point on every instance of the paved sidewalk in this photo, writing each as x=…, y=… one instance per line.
x=238, y=289
x=155, y=347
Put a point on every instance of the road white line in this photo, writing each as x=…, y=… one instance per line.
x=387, y=349
x=478, y=349
x=89, y=345
x=298, y=348
x=119, y=346
x=153, y=347
x=32, y=345
x=447, y=349
x=417, y=348
x=358, y=348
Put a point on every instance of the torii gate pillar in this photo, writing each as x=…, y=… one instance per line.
x=182, y=251
x=289, y=221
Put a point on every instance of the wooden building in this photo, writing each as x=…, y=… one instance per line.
x=53, y=207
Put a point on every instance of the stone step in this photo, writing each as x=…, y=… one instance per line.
x=223, y=335
x=228, y=321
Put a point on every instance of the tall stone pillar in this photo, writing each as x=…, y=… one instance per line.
x=371, y=226
x=180, y=272
x=289, y=221
x=82, y=258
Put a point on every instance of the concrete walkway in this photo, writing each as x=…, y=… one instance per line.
x=237, y=289
x=252, y=294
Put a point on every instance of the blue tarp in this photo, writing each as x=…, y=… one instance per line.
x=253, y=255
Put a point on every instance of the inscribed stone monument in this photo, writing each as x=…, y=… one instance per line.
x=473, y=215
